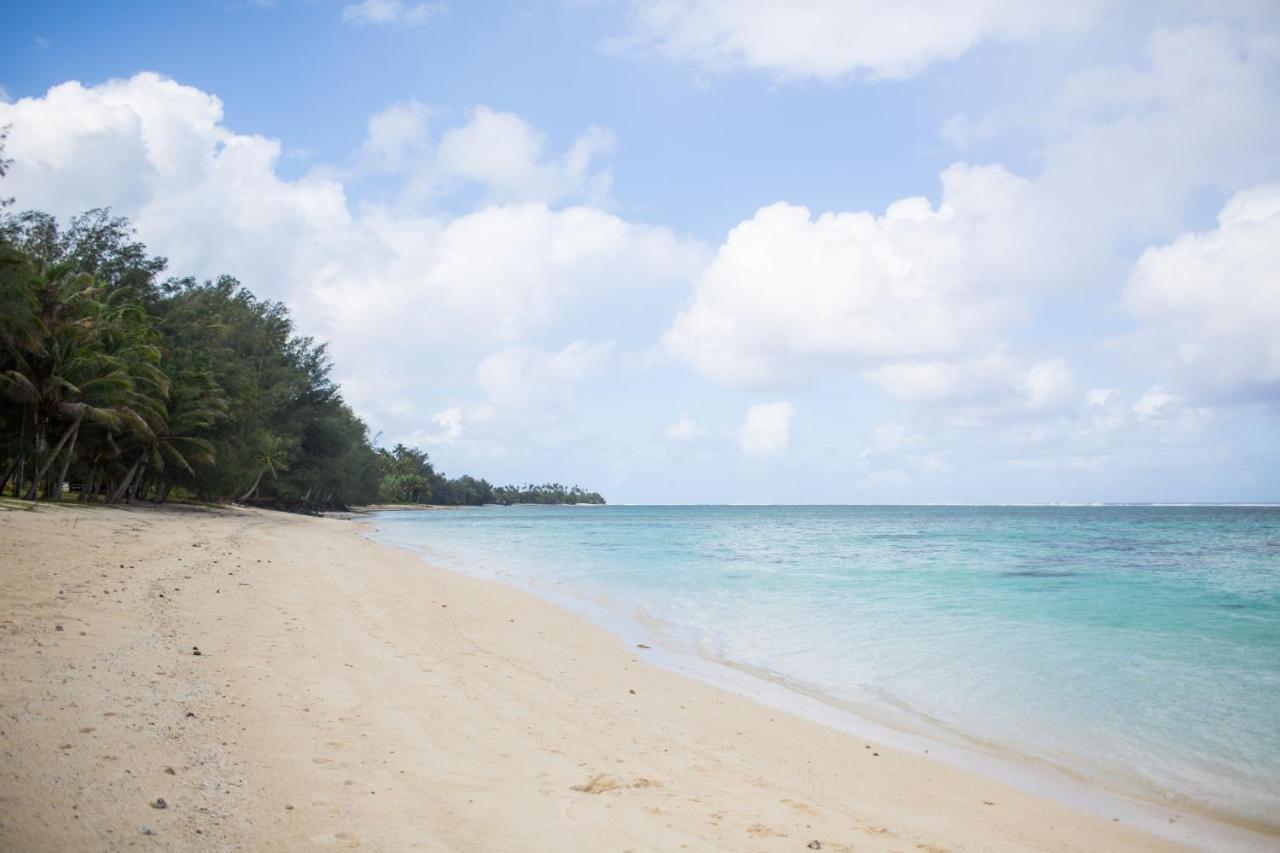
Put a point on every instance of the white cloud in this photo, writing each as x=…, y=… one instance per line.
x=830, y=39
x=918, y=297
x=499, y=152
x=505, y=153
x=524, y=378
x=683, y=431
x=1208, y=304
x=393, y=12
x=1155, y=403
x=917, y=281
x=1130, y=147
x=996, y=384
x=395, y=138
x=891, y=437
x=448, y=428
x=388, y=288
x=767, y=429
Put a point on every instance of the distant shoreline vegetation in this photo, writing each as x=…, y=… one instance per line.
x=133, y=387
x=409, y=478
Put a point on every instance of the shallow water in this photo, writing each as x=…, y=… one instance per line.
x=1137, y=646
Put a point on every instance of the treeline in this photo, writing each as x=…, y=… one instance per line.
x=409, y=478
x=135, y=386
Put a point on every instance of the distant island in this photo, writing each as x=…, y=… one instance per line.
x=122, y=385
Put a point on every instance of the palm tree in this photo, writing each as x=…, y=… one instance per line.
x=270, y=457
x=57, y=372
x=195, y=404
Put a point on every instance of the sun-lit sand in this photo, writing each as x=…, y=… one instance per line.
x=345, y=694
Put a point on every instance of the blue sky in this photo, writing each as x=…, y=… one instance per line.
x=711, y=251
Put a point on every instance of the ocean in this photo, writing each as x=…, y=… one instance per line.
x=1135, y=647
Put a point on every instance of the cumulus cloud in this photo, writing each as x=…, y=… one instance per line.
x=505, y=153
x=499, y=152
x=767, y=429
x=996, y=384
x=683, y=431
x=389, y=288
x=1208, y=304
x=522, y=378
x=830, y=39
x=448, y=428
x=1129, y=147
x=396, y=138
x=391, y=12
x=918, y=297
x=919, y=280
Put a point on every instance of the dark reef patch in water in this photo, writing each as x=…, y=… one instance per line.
x=1035, y=573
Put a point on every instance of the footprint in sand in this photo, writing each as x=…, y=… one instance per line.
x=341, y=839
x=801, y=807
x=759, y=830
x=603, y=783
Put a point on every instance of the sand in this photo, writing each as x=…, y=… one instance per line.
x=348, y=695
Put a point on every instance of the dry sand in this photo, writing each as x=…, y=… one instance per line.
x=348, y=695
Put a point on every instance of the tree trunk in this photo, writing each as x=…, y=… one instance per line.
x=38, y=475
x=252, y=489
x=162, y=491
x=87, y=493
x=53, y=454
x=13, y=466
x=126, y=483
x=66, y=461
x=137, y=481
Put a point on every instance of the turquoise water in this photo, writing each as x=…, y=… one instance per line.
x=1137, y=646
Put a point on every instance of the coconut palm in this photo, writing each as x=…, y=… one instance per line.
x=270, y=458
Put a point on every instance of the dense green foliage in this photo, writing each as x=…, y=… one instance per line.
x=408, y=477
x=135, y=387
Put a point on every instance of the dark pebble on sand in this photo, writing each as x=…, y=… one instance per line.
x=159, y=803
x=815, y=845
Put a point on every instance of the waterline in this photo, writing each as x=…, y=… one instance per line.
x=1131, y=647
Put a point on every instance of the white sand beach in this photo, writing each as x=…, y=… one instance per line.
x=345, y=694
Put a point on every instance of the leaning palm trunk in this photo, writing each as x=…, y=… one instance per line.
x=137, y=482
x=38, y=475
x=126, y=482
x=89, y=490
x=13, y=466
x=66, y=462
x=53, y=455
x=252, y=489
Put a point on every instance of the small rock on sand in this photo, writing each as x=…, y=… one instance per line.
x=159, y=803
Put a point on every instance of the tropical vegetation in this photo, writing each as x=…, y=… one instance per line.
x=130, y=385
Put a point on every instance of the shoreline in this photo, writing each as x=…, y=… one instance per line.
x=346, y=693
x=1139, y=805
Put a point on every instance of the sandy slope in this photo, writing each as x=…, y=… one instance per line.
x=347, y=695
